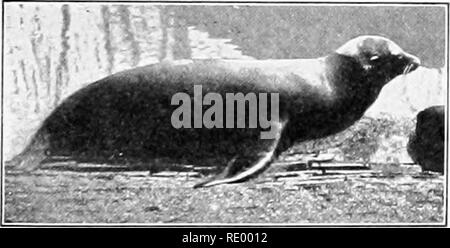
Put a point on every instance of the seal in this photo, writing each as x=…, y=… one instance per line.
x=126, y=117
x=426, y=145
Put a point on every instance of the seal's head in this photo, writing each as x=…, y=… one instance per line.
x=379, y=57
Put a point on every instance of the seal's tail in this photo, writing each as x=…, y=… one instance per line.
x=33, y=154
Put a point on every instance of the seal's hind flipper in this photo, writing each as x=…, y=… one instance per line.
x=33, y=155
x=245, y=166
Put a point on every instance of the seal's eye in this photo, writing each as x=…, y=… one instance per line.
x=373, y=58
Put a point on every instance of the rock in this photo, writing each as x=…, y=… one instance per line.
x=427, y=143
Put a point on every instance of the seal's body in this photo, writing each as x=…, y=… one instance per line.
x=127, y=116
x=426, y=144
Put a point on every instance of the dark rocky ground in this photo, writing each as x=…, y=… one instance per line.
x=395, y=194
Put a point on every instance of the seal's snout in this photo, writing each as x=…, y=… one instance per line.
x=408, y=62
x=414, y=62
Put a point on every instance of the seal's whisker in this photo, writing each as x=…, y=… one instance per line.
x=407, y=69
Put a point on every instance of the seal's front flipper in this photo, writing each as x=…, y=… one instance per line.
x=244, y=166
x=227, y=172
